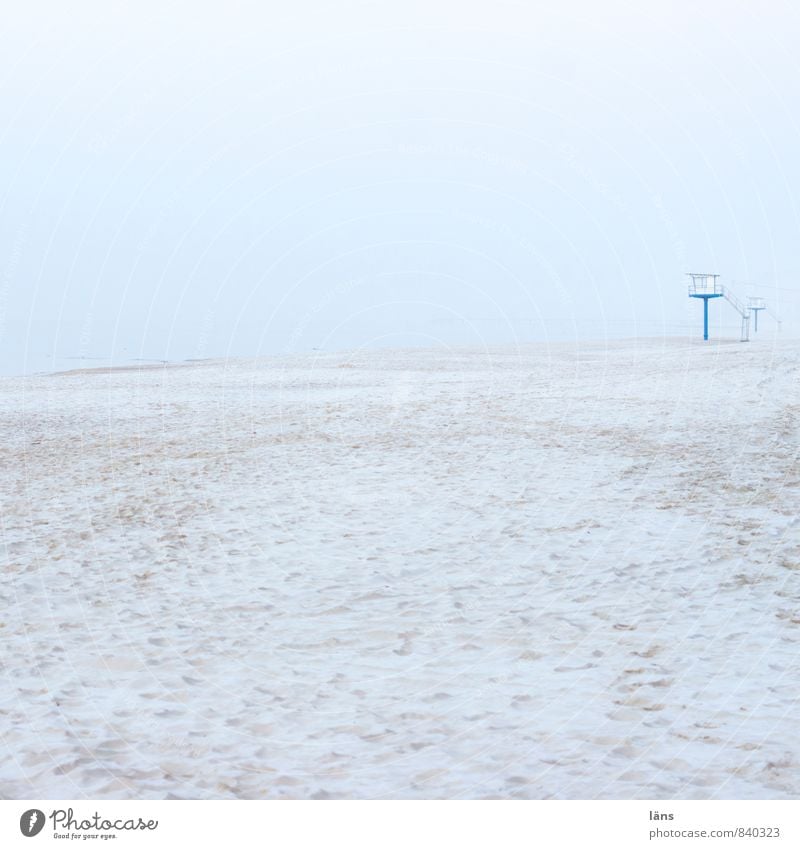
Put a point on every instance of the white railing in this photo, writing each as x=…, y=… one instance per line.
x=706, y=286
x=743, y=311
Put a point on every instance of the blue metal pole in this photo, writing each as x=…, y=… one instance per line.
x=756, y=312
x=705, y=319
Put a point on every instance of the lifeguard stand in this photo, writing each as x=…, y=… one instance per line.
x=707, y=286
x=755, y=305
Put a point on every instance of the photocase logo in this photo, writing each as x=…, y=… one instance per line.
x=31, y=822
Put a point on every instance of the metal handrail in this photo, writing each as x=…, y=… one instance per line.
x=713, y=288
x=743, y=311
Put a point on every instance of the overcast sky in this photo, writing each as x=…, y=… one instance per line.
x=196, y=180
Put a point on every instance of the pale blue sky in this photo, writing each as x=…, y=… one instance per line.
x=194, y=180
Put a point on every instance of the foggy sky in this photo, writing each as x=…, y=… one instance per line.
x=186, y=180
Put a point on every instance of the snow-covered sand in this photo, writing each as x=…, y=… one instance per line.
x=556, y=571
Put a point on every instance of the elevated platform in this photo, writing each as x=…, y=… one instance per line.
x=705, y=286
x=756, y=305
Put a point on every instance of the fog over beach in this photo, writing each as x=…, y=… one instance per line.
x=182, y=182
x=550, y=571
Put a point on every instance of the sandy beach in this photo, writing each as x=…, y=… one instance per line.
x=555, y=571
